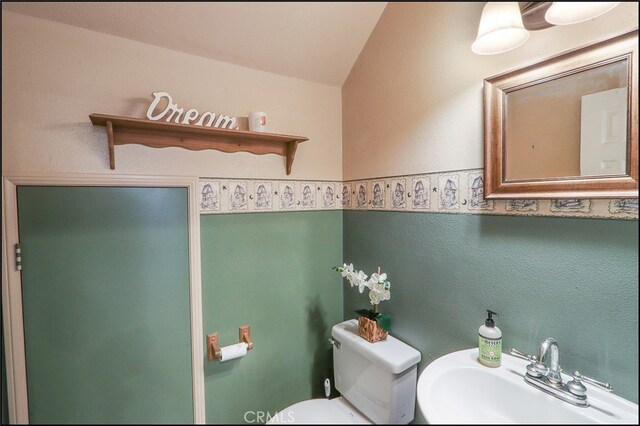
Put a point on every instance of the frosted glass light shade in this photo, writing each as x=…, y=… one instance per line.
x=500, y=29
x=567, y=13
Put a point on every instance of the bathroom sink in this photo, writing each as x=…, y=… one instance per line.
x=456, y=388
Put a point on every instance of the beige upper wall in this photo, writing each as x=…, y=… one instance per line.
x=413, y=101
x=55, y=75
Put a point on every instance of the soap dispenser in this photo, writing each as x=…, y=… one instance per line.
x=490, y=342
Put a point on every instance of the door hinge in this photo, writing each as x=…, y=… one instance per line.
x=18, y=257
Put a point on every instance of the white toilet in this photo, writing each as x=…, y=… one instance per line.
x=377, y=382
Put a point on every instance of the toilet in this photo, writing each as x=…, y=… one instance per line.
x=377, y=382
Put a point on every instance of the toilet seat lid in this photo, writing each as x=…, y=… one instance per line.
x=320, y=411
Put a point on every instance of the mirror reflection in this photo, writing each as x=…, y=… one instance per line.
x=565, y=127
x=575, y=125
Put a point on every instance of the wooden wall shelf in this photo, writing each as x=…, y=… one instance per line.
x=157, y=134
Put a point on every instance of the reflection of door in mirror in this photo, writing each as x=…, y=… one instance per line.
x=545, y=124
x=565, y=127
x=603, y=133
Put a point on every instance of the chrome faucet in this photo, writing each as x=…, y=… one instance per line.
x=549, y=350
x=543, y=372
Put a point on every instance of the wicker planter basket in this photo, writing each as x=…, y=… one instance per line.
x=370, y=330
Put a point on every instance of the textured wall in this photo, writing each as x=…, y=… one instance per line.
x=413, y=100
x=412, y=104
x=572, y=279
x=105, y=294
x=272, y=271
x=414, y=97
x=55, y=75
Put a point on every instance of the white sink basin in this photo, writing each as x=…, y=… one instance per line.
x=456, y=388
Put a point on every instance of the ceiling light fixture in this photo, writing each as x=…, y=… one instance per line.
x=506, y=25
x=500, y=29
x=567, y=13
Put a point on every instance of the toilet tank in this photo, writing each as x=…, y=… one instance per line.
x=379, y=379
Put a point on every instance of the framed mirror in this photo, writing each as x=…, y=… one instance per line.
x=566, y=127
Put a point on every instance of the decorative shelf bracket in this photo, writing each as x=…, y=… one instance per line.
x=157, y=134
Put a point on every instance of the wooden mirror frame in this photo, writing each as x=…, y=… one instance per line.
x=496, y=88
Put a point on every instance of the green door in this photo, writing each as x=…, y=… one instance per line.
x=105, y=287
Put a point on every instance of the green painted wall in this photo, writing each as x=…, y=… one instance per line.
x=272, y=271
x=105, y=290
x=572, y=279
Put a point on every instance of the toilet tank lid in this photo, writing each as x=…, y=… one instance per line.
x=391, y=354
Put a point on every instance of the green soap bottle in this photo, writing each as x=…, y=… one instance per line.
x=490, y=342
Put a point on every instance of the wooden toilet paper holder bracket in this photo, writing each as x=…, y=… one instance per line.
x=244, y=335
x=213, y=344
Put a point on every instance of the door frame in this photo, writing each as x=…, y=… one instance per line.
x=13, y=326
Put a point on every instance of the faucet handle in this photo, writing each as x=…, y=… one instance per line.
x=523, y=355
x=602, y=385
x=536, y=368
x=576, y=387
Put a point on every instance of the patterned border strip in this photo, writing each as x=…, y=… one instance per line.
x=445, y=192
x=219, y=196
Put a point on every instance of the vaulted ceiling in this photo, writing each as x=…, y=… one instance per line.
x=314, y=41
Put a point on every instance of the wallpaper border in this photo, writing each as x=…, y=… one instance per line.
x=457, y=192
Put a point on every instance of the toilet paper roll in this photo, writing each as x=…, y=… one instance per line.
x=233, y=351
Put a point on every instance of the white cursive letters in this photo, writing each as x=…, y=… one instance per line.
x=189, y=117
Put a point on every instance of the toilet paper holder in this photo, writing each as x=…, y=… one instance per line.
x=213, y=344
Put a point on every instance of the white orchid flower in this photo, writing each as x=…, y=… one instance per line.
x=356, y=278
x=377, y=278
x=379, y=287
x=346, y=269
x=380, y=291
x=385, y=294
x=361, y=280
x=352, y=279
x=374, y=297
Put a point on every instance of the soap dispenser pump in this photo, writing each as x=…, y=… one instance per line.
x=490, y=342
